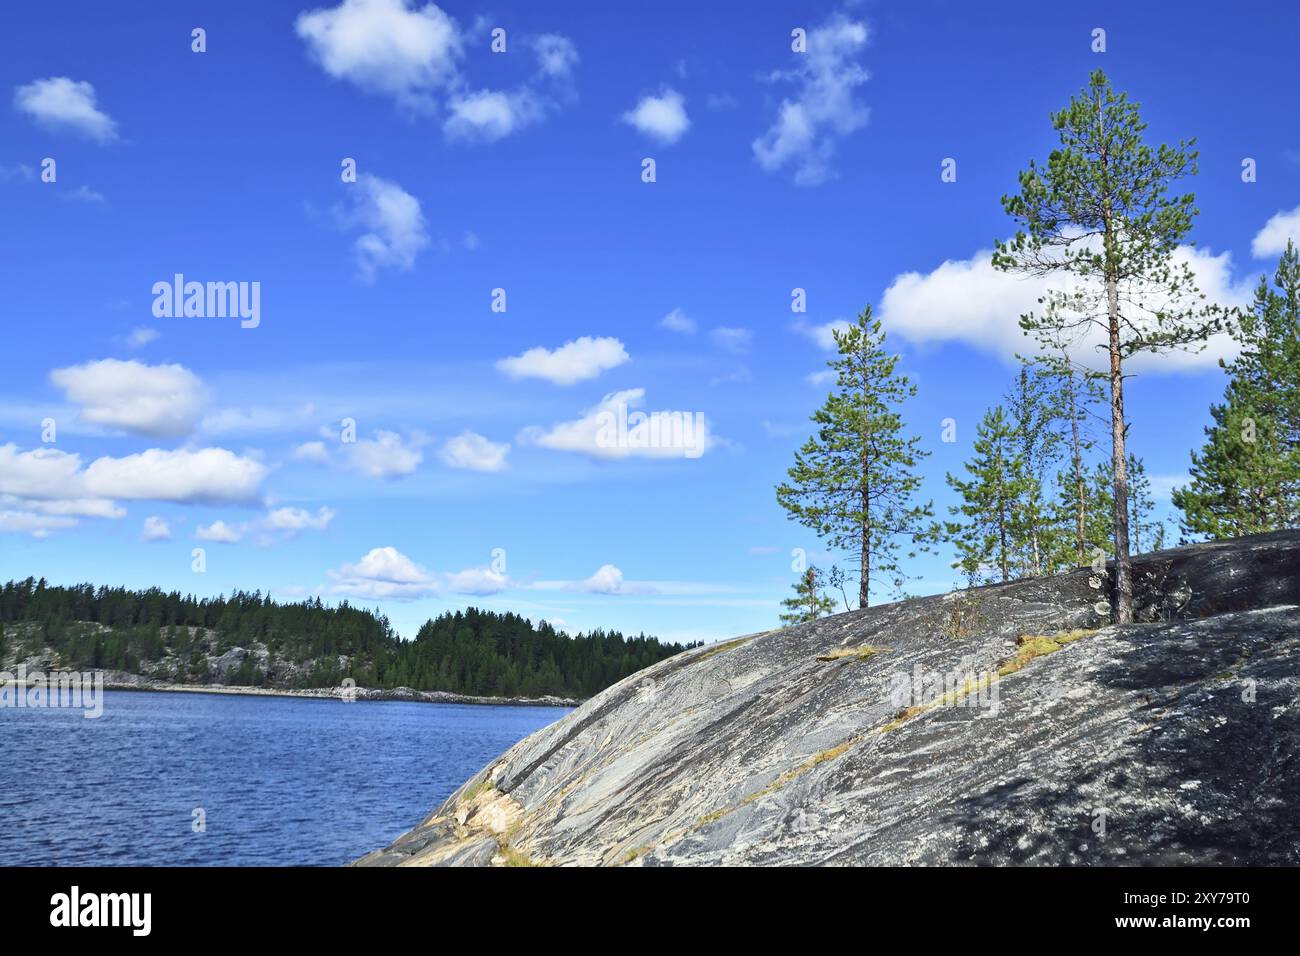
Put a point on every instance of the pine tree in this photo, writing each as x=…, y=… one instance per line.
x=992, y=528
x=853, y=482
x=986, y=537
x=808, y=603
x=1246, y=478
x=1099, y=214
x=1036, y=410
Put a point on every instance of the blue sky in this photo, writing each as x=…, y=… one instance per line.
x=473, y=478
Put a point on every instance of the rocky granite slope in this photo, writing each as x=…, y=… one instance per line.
x=1001, y=725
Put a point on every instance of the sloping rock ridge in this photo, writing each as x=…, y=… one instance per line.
x=1002, y=725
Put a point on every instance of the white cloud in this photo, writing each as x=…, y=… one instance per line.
x=160, y=401
x=219, y=531
x=65, y=507
x=607, y=580
x=616, y=428
x=556, y=55
x=472, y=451
x=383, y=573
x=276, y=525
x=38, y=526
x=824, y=105
x=314, y=451
x=141, y=337
x=202, y=475
x=678, y=321
x=476, y=581
x=388, y=573
x=156, y=529
x=1272, y=239
x=969, y=301
x=823, y=336
x=63, y=103
x=736, y=341
x=84, y=193
x=395, y=231
x=573, y=362
x=394, y=47
x=490, y=115
x=662, y=118
x=387, y=455
x=293, y=520
x=182, y=475
x=824, y=377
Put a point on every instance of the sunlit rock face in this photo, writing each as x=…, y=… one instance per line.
x=1002, y=725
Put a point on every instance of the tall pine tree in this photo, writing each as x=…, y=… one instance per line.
x=854, y=481
x=1099, y=213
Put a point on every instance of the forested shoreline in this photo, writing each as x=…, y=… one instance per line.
x=248, y=639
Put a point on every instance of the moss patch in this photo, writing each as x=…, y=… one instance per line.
x=719, y=648
x=859, y=653
x=516, y=857
x=476, y=791
x=1031, y=647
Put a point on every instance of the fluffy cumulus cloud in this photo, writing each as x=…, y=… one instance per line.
x=387, y=455
x=394, y=47
x=219, y=531
x=293, y=520
x=662, y=118
x=393, y=230
x=573, y=362
x=490, y=115
x=823, y=106
x=617, y=428
x=1280, y=229
x=159, y=401
x=46, y=475
x=388, y=573
x=61, y=103
x=969, y=301
x=414, y=53
x=277, y=524
x=474, y=452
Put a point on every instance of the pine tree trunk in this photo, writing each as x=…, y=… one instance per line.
x=1119, y=464
x=1076, y=458
x=864, y=563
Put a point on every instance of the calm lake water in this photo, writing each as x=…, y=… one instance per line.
x=281, y=781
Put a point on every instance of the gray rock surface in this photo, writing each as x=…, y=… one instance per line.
x=942, y=730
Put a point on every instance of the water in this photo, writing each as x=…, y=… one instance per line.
x=281, y=781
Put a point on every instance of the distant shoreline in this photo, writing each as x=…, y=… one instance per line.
x=404, y=694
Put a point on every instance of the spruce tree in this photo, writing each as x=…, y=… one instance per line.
x=1099, y=215
x=854, y=481
x=1246, y=478
x=808, y=603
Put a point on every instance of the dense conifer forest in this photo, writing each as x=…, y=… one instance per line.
x=311, y=644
